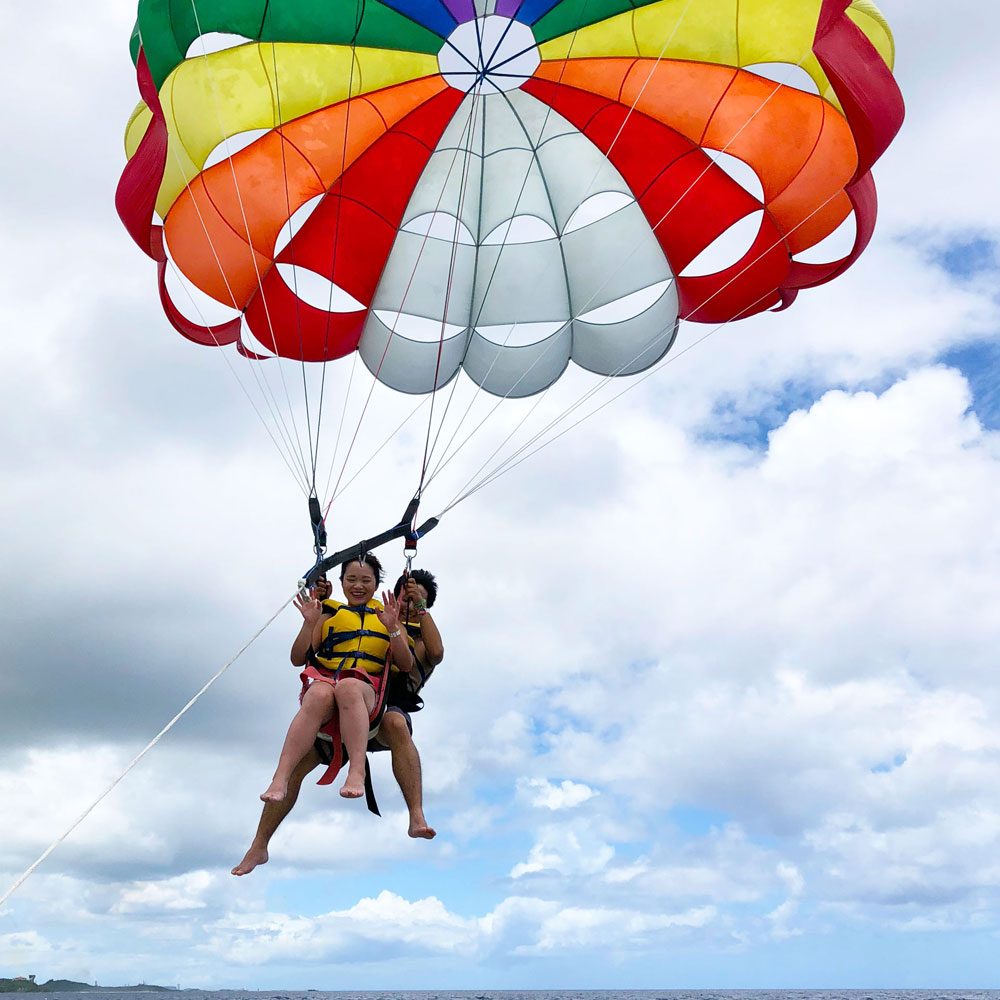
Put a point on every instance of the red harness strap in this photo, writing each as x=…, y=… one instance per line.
x=332, y=728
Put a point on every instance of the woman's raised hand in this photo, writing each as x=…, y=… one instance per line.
x=310, y=609
x=389, y=615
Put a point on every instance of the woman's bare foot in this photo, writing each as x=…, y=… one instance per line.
x=419, y=828
x=354, y=786
x=276, y=791
x=254, y=857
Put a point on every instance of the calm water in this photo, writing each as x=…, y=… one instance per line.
x=546, y=995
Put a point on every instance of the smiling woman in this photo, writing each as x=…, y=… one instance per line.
x=499, y=187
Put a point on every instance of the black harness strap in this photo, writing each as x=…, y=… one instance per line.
x=403, y=529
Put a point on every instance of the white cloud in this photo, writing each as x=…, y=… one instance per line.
x=794, y=637
x=568, y=849
x=543, y=794
x=181, y=893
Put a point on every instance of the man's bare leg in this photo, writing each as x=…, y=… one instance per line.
x=406, y=769
x=273, y=813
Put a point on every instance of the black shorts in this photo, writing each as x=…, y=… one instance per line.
x=325, y=747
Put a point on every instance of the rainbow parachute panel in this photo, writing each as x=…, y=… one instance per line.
x=499, y=186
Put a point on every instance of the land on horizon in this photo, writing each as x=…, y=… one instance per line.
x=28, y=985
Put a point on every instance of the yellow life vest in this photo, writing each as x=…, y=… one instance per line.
x=354, y=638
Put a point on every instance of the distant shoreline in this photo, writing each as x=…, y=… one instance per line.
x=69, y=986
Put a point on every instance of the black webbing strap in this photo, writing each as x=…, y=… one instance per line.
x=403, y=529
x=369, y=790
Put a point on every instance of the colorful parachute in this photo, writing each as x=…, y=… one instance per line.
x=501, y=186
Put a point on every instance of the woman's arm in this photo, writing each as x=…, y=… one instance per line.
x=311, y=611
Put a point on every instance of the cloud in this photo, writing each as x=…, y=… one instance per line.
x=720, y=661
x=566, y=850
x=543, y=794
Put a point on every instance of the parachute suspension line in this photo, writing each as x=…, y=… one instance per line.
x=246, y=229
x=652, y=69
x=292, y=458
x=455, y=381
x=337, y=490
x=295, y=284
x=510, y=462
x=445, y=457
x=628, y=257
x=519, y=456
x=360, y=8
x=448, y=455
x=340, y=424
x=26, y=874
x=267, y=395
x=505, y=466
x=624, y=262
x=424, y=400
x=449, y=287
x=541, y=396
x=286, y=458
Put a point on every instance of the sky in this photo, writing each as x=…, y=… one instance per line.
x=720, y=704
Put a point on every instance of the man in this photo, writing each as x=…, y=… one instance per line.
x=417, y=594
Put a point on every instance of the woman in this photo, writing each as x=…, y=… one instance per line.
x=353, y=643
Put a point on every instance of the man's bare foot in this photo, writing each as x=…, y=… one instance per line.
x=276, y=791
x=354, y=786
x=419, y=828
x=254, y=857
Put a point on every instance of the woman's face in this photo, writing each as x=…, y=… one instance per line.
x=358, y=582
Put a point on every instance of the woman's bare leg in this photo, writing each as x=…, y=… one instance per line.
x=316, y=708
x=355, y=700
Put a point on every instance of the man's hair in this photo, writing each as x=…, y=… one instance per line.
x=425, y=579
x=370, y=561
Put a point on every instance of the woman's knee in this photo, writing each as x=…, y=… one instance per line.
x=319, y=696
x=350, y=691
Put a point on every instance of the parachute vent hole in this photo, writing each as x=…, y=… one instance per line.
x=628, y=306
x=317, y=291
x=232, y=145
x=216, y=41
x=787, y=74
x=597, y=207
x=726, y=249
x=833, y=247
x=740, y=171
x=297, y=220
x=520, y=334
x=252, y=344
x=419, y=328
x=441, y=226
x=192, y=303
x=520, y=229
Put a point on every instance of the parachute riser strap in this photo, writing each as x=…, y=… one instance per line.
x=318, y=526
x=403, y=529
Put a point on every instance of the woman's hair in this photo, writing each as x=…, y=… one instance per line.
x=369, y=560
x=425, y=579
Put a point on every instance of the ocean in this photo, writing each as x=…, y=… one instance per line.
x=541, y=995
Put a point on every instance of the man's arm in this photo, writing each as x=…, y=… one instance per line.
x=430, y=639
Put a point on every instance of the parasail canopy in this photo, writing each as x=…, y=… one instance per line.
x=501, y=186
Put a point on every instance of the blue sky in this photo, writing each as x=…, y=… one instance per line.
x=719, y=706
